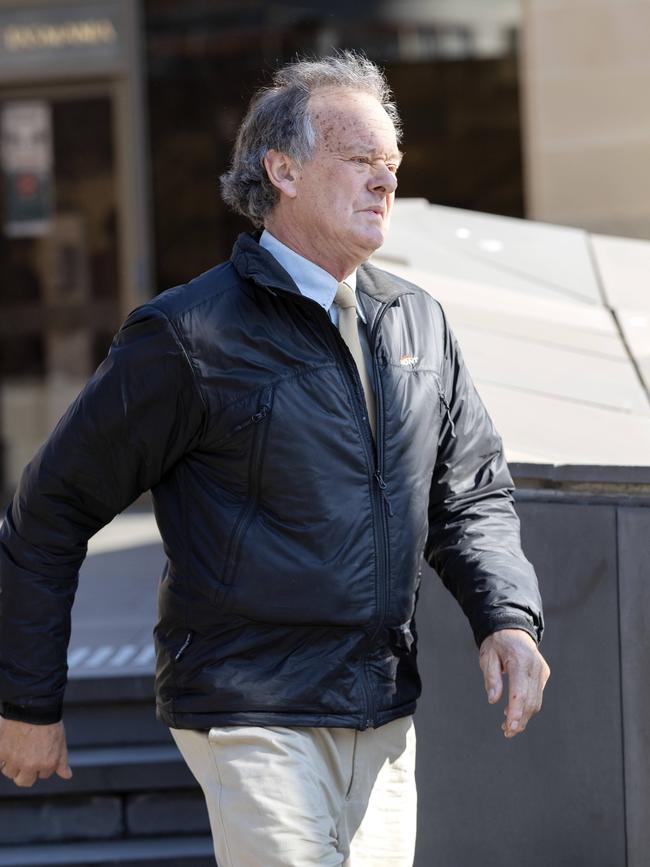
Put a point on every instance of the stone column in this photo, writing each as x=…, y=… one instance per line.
x=586, y=113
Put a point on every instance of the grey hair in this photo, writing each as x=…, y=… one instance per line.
x=278, y=118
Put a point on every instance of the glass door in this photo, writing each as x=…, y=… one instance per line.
x=59, y=257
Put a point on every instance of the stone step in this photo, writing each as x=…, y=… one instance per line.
x=119, y=769
x=191, y=851
x=119, y=709
x=131, y=799
x=102, y=817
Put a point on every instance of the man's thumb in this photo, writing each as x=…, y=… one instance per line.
x=492, y=677
x=64, y=770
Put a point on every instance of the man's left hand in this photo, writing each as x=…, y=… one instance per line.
x=513, y=652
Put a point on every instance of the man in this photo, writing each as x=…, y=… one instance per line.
x=308, y=430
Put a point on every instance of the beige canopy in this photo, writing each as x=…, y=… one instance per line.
x=554, y=324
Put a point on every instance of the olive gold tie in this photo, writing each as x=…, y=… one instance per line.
x=349, y=330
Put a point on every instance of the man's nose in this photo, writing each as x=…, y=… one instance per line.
x=383, y=179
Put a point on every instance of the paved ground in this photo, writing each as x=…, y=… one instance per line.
x=115, y=608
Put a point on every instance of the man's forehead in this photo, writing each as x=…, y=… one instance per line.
x=348, y=119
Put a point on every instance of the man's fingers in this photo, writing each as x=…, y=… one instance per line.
x=32, y=752
x=491, y=666
x=526, y=681
x=527, y=672
x=27, y=776
x=25, y=779
x=8, y=770
x=518, y=711
x=45, y=772
x=543, y=673
x=64, y=770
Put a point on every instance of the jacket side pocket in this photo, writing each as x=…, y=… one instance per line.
x=259, y=422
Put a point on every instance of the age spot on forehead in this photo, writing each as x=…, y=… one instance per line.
x=350, y=119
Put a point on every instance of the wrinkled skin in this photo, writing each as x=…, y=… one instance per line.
x=32, y=752
x=513, y=652
x=335, y=208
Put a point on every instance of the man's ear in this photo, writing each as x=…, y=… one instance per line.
x=281, y=170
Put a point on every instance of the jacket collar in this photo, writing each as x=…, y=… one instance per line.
x=253, y=262
x=377, y=285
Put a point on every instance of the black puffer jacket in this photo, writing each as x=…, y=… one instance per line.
x=294, y=544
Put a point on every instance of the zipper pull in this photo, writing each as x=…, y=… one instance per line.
x=260, y=414
x=383, y=487
x=443, y=400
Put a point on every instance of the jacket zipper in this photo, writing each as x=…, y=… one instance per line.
x=383, y=586
x=340, y=348
x=246, y=515
x=252, y=419
x=380, y=500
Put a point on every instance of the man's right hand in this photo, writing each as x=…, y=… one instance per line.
x=32, y=752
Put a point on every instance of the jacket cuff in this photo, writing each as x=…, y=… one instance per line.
x=507, y=620
x=40, y=716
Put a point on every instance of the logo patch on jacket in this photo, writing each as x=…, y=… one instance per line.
x=408, y=360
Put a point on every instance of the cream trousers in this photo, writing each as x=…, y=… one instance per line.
x=307, y=797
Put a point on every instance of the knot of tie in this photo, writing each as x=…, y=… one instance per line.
x=345, y=296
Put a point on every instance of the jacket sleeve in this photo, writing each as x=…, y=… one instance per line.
x=474, y=541
x=133, y=420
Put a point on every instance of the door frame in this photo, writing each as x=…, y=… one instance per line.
x=124, y=85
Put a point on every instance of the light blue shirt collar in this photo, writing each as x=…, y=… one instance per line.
x=312, y=280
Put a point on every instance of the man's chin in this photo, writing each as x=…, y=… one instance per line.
x=370, y=241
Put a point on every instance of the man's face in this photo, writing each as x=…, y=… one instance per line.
x=344, y=194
